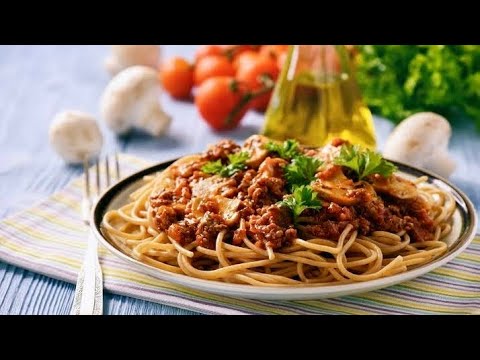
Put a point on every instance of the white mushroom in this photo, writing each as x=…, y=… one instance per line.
x=422, y=140
x=75, y=135
x=131, y=99
x=124, y=56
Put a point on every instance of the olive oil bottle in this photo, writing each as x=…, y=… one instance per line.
x=316, y=99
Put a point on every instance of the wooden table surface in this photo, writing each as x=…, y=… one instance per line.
x=38, y=81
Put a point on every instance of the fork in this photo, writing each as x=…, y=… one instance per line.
x=88, y=298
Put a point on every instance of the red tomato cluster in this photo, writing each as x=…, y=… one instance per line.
x=229, y=80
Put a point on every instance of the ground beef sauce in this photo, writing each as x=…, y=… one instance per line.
x=258, y=189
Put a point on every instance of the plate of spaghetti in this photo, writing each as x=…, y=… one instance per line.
x=277, y=220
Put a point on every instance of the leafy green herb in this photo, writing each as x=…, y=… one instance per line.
x=288, y=150
x=238, y=159
x=301, y=171
x=236, y=163
x=399, y=80
x=302, y=198
x=213, y=167
x=364, y=162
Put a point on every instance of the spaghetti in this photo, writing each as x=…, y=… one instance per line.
x=232, y=228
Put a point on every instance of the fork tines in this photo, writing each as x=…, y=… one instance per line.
x=109, y=173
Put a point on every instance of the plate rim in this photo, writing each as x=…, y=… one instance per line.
x=278, y=292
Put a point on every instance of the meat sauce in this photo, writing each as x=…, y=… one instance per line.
x=253, y=194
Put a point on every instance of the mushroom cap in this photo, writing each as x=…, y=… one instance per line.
x=422, y=140
x=124, y=56
x=127, y=93
x=75, y=135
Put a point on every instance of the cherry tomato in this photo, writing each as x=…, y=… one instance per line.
x=251, y=73
x=217, y=98
x=207, y=50
x=211, y=66
x=176, y=75
x=243, y=58
x=273, y=51
x=231, y=51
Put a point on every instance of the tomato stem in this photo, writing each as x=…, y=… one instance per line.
x=267, y=87
x=234, y=86
x=231, y=52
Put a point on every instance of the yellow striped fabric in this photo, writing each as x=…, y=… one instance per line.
x=50, y=239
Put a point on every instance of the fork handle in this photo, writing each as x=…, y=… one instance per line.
x=86, y=207
x=88, y=298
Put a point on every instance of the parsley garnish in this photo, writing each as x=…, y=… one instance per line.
x=302, y=198
x=364, y=161
x=288, y=150
x=301, y=171
x=236, y=163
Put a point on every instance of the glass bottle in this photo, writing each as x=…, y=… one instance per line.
x=316, y=99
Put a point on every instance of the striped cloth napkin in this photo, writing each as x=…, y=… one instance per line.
x=50, y=239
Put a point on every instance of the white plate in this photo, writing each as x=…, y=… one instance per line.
x=463, y=232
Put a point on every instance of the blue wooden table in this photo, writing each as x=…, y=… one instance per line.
x=38, y=81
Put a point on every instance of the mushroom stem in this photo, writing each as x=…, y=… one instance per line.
x=154, y=120
x=442, y=163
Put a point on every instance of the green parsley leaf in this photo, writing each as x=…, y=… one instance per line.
x=301, y=171
x=238, y=158
x=288, y=150
x=303, y=198
x=236, y=163
x=349, y=157
x=213, y=167
x=441, y=78
x=364, y=162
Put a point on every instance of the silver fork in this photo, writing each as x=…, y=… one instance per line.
x=88, y=298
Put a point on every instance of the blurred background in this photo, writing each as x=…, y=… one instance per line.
x=37, y=82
